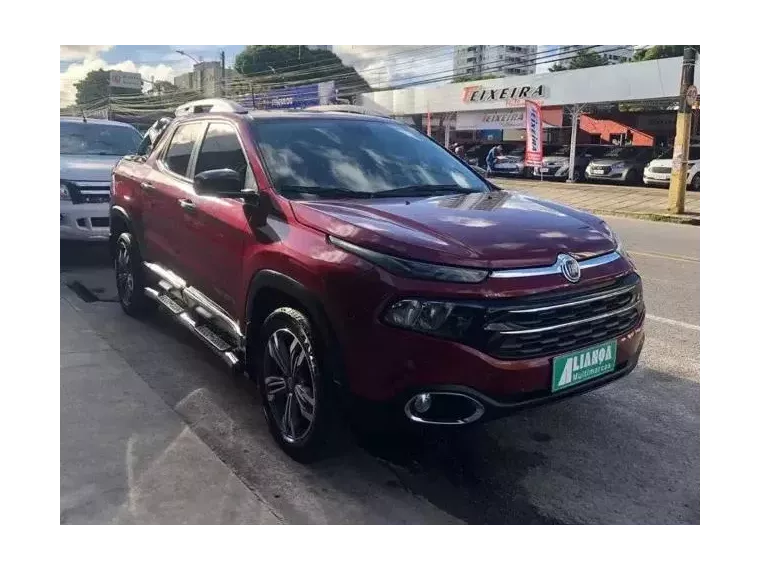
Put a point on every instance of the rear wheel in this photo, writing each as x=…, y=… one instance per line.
x=695, y=182
x=130, y=277
x=294, y=390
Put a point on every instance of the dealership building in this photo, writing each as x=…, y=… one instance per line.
x=628, y=103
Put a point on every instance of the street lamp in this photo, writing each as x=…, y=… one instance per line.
x=179, y=51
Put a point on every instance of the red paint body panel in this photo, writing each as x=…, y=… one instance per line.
x=220, y=249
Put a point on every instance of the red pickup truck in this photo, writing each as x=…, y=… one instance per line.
x=344, y=259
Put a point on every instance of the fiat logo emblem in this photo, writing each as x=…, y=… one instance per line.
x=569, y=267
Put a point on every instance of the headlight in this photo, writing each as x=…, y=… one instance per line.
x=413, y=269
x=439, y=318
x=65, y=194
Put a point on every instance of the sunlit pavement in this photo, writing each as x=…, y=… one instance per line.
x=606, y=198
x=141, y=400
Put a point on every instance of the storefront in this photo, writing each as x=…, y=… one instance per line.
x=491, y=110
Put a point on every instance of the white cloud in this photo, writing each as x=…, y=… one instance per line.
x=73, y=53
x=78, y=71
x=385, y=65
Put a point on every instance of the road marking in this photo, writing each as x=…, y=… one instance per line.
x=674, y=323
x=665, y=256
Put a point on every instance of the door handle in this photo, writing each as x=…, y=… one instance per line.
x=147, y=186
x=187, y=205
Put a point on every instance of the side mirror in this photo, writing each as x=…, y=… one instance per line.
x=224, y=182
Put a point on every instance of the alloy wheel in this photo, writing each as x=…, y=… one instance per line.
x=289, y=385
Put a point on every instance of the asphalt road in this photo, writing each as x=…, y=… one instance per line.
x=627, y=453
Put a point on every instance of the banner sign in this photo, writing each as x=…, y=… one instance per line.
x=125, y=79
x=510, y=95
x=534, y=149
x=497, y=120
x=292, y=97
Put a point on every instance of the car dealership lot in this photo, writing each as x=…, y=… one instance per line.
x=628, y=452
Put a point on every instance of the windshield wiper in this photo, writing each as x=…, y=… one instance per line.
x=325, y=192
x=425, y=190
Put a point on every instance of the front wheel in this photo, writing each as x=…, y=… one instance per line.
x=130, y=277
x=293, y=385
x=695, y=183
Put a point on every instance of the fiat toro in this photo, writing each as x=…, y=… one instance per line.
x=344, y=259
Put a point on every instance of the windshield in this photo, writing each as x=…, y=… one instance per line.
x=325, y=155
x=93, y=138
x=622, y=152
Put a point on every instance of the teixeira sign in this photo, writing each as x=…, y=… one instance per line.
x=476, y=94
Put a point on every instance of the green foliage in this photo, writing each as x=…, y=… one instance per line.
x=467, y=78
x=162, y=87
x=583, y=58
x=95, y=87
x=659, y=52
x=292, y=63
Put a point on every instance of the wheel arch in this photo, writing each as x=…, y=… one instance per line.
x=120, y=221
x=270, y=290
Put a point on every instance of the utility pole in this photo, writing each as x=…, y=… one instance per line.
x=224, y=91
x=679, y=172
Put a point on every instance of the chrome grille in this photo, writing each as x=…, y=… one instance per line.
x=660, y=169
x=547, y=325
x=90, y=192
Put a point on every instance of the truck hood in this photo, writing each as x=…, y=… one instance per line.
x=82, y=168
x=488, y=230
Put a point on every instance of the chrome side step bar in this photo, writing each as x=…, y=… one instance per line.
x=198, y=313
x=200, y=329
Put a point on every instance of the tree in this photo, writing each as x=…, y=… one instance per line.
x=299, y=65
x=465, y=78
x=660, y=52
x=583, y=58
x=162, y=87
x=94, y=87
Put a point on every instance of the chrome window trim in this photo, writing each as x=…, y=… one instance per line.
x=555, y=269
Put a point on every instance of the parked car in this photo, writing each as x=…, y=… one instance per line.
x=512, y=163
x=657, y=172
x=89, y=150
x=620, y=164
x=348, y=261
x=556, y=161
x=475, y=154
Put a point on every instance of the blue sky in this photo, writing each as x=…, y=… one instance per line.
x=381, y=66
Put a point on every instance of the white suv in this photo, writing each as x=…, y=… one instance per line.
x=90, y=148
x=657, y=172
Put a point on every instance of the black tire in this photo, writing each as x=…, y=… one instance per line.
x=303, y=381
x=130, y=277
x=695, y=183
x=632, y=178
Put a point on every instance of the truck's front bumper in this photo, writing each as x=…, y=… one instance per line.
x=84, y=222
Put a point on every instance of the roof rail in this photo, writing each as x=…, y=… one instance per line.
x=346, y=109
x=209, y=106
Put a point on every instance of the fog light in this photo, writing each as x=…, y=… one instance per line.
x=423, y=402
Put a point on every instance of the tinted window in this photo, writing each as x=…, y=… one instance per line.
x=356, y=154
x=694, y=153
x=177, y=157
x=622, y=152
x=221, y=149
x=98, y=139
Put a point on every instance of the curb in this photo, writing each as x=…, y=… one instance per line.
x=652, y=216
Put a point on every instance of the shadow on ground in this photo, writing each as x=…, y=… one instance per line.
x=627, y=453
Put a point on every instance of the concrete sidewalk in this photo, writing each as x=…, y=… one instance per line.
x=127, y=457
x=628, y=201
